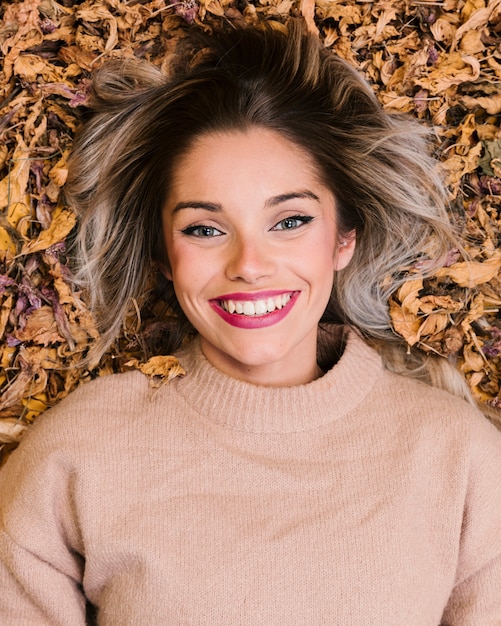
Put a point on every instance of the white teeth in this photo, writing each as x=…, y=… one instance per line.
x=255, y=307
x=261, y=307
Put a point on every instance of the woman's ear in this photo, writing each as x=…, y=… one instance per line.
x=344, y=250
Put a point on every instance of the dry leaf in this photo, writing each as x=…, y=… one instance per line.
x=40, y=328
x=470, y=274
x=63, y=222
x=11, y=430
x=477, y=19
x=404, y=323
x=308, y=13
x=436, y=61
x=491, y=104
x=13, y=187
x=159, y=369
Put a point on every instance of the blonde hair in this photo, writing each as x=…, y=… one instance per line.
x=376, y=164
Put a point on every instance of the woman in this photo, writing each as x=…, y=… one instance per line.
x=290, y=477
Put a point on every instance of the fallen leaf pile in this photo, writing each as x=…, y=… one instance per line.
x=439, y=61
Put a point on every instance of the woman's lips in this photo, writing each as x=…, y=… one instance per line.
x=256, y=310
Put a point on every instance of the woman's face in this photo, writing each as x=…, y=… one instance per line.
x=252, y=245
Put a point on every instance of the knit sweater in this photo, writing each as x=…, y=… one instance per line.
x=362, y=498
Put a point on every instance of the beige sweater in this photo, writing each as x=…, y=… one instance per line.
x=361, y=499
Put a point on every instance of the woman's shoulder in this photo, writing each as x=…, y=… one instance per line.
x=426, y=408
x=110, y=394
x=407, y=395
x=93, y=412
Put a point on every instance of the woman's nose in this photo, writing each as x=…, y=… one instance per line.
x=249, y=260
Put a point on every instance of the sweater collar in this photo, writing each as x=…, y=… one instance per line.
x=253, y=408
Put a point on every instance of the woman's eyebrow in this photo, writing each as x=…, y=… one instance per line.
x=271, y=202
x=208, y=206
x=293, y=195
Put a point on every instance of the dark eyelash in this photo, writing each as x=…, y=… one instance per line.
x=304, y=219
x=190, y=230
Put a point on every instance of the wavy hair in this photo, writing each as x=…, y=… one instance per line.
x=376, y=164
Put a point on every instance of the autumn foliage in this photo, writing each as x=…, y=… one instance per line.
x=438, y=61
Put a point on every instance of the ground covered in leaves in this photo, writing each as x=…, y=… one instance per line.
x=439, y=61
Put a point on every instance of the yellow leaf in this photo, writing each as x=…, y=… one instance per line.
x=5, y=310
x=456, y=70
x=490, y=104
x=63, y=221
x=430, y=304
x=475, y=311
x=404, y=323
x=473, y=361
x=457, y=165
x=17, y=211
x=408, y=295
x=28, y=66
x=470, y=6
x=160, y=369
x=59, y=173
x=443, y=30
x=34, y=405
x=471, y=43
x=6, y=356
x=433, y=324
x=14, y=186
x=476, y=19
x=7, y=246
x=40, y=328
x=472, y=273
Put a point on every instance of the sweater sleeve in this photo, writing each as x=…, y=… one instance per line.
x=40, y=569
x=476, y=597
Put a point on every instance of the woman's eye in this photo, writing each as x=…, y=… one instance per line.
x=202, y=231
x=293, y=222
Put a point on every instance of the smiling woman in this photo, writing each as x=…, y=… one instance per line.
x=308, y=468
x=236, y=253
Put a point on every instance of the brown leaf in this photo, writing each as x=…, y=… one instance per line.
x=473, y=361
x=472, y=273
x=433, y=324
x=31, y=379
x=477, y=19
x=490, y=104
x=28, y=67
x=405, y=323
x=159, y=369
x=453, y=340
x=308, y=13
x=13, y=187
x=40, y=328
x=5, y=310
x=429, y=304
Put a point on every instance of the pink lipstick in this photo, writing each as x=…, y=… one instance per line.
x=254, y=310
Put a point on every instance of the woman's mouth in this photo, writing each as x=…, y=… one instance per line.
x=264, y=309
x=255, y=307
